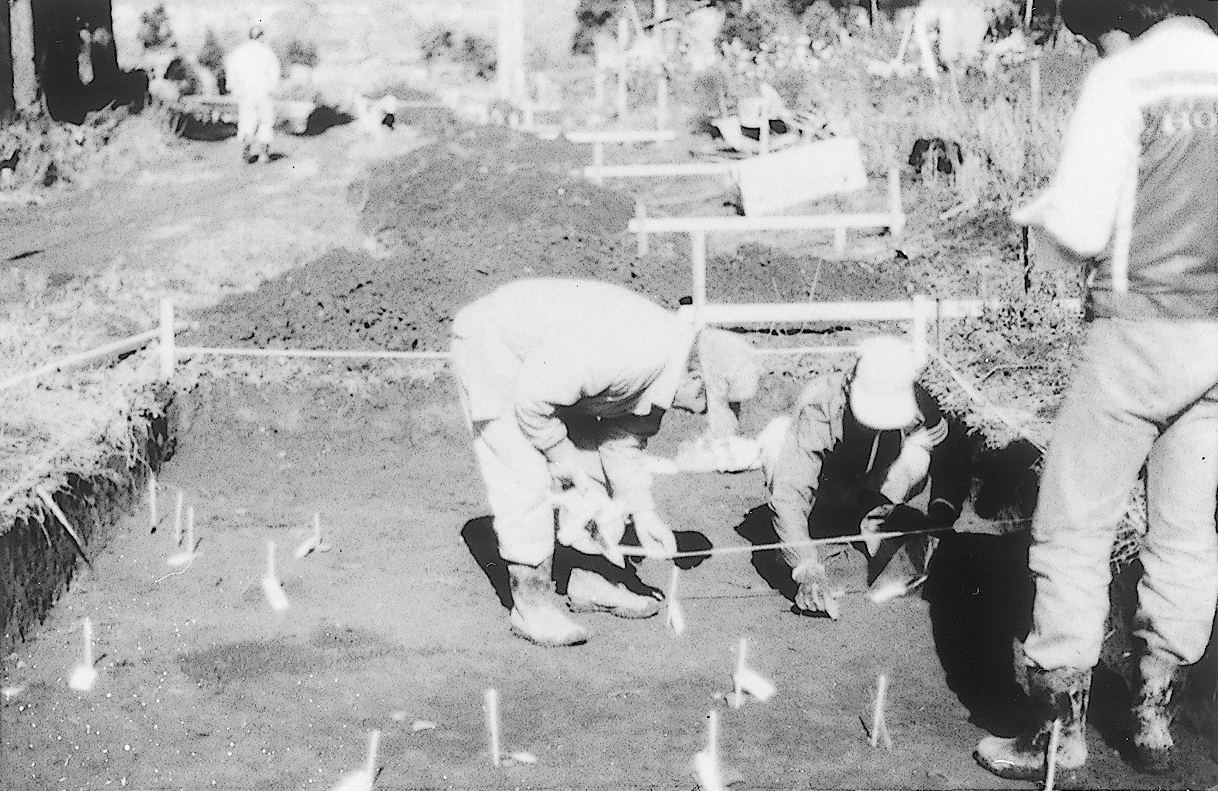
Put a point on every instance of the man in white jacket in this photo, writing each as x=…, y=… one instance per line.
x=563, y=383
x=252, y=73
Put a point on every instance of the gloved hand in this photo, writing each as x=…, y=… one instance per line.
x=814, y=595
x=654, y=536
x=590, y=522
x=941, y=513
x=565, y=466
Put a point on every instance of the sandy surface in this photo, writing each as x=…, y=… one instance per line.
x=399, y=625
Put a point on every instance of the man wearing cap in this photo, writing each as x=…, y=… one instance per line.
x=251, y=73
x=1133, y=204
x=563, y=382
x=860, y=444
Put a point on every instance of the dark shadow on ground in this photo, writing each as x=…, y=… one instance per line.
x=980, y=597
x=192, y=128
x=479, y=536
x=757, y=528
x=324, y=118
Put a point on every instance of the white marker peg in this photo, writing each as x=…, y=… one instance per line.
x=879, y=727
x=706, y=762
x=362, y=780
x=152, y=520
x=177, y=519
x=1051, y=759
x=270, y=583
x=492, y=724
x=185, y=557
x=746, y=680
x=676, y=618
x=313, y=543
x=84, y=675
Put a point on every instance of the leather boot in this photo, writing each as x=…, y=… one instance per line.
x=535, y=614
x=588, y=591
x=1058, y=695
x=1153, y=710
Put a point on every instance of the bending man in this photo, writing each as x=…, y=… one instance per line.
x=564, y=382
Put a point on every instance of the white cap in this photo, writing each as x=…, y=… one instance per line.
x=882, y=393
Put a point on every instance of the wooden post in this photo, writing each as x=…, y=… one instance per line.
x=894, y=204
x=697, y=240
x=25, y=81
x=923, y=307
x=510, y=51
x=839, y=240
x=662, y=101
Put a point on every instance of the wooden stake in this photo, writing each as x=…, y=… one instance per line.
x=1051, y=758
x=640, y=213
x=738, y=700
x=152, y=502
x=270, y=583
x=84, y=675
x=676, y=619
x=188, y=554
x=492, y=724
x=177, y=519
x=879, y=727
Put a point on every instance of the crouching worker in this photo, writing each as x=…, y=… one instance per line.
x=860, y=444
x=563, y=382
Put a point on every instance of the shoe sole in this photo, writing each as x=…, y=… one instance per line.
x=544, y=643
x=620, y=612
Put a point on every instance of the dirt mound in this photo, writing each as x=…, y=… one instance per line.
x=448, y=222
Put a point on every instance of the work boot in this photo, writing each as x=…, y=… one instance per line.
x=1153, y=711
x=535, y=613
x=1058, y=695
x=588, y=591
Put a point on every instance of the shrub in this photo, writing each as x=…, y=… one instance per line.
x=465, y=49
x=300, y=53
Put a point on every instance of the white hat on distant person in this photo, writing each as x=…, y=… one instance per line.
x=882, y=392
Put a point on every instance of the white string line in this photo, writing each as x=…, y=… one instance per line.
x=122, y=345
x=715, y=551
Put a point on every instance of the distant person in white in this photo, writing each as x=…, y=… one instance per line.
x=252, y=73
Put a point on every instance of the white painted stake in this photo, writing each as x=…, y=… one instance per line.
x=738, y=695
x=879, y=727
x=676, y=618
x=152, y=500
x=623, y=71
x=167, y=350
x=177, y=519
x=270, y=583
x=697, y=245
x=895, y=207
x=492, y=724
x=706, y=762
x=187, y=555
x=362, y=779
x=923, y=310
x=662, y=102
x=1051, y=758
x=84, y=675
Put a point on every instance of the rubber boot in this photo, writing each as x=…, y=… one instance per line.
x=535, y=614
x=588, y=591
x=1058, y=695
x=1153, y=710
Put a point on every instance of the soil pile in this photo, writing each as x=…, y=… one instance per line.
x=457, y=218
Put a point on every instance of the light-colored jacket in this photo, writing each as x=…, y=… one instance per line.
x=251, y=69
x=1134, y=190
x=535, y=347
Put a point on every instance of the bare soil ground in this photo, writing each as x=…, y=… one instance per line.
x=403, y=621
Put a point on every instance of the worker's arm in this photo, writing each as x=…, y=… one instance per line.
x=796, y=479
x=950, y=460
x=623, y=441
x=1098, y=161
